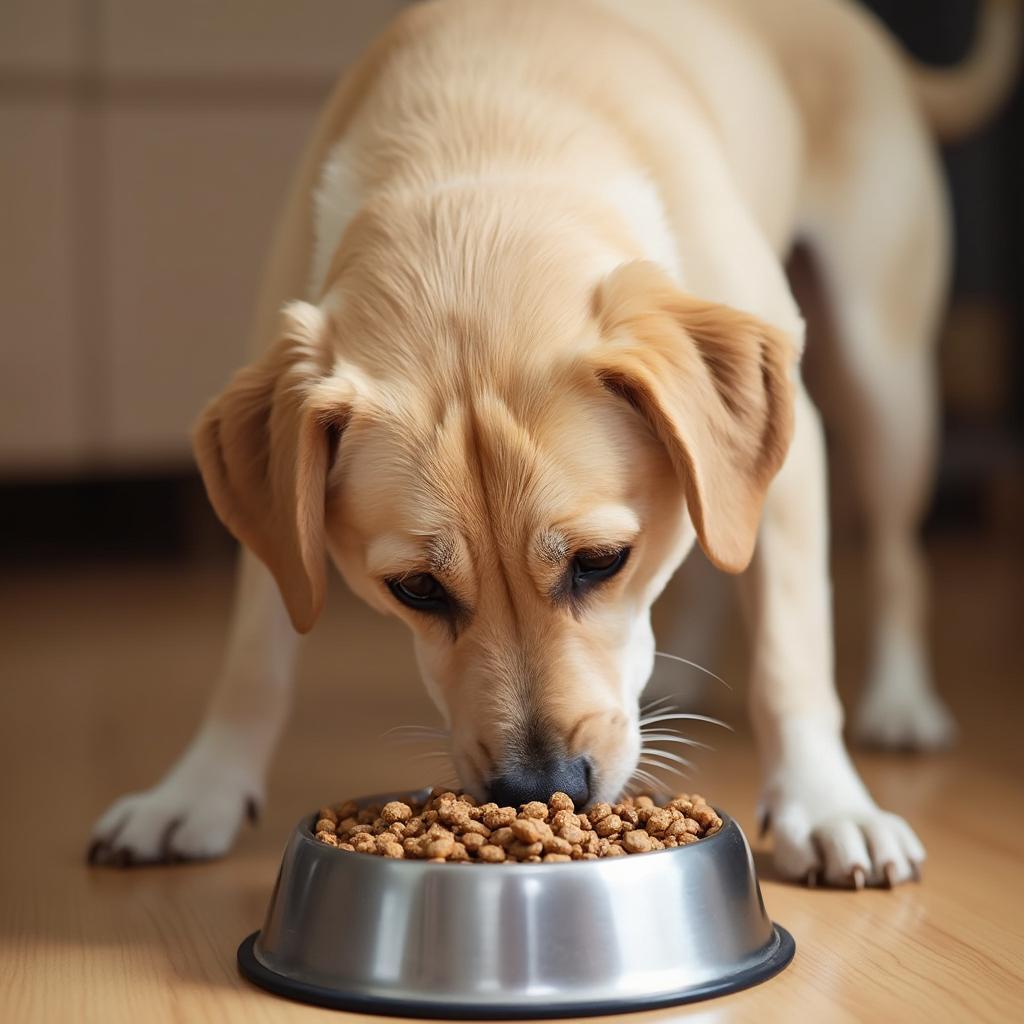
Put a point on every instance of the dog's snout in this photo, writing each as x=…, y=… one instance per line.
x=527, y=782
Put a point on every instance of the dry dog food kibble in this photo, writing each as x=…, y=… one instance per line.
x=454, y=827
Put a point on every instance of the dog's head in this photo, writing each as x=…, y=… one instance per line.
x=518, y=492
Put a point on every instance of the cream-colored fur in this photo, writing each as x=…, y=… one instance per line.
x=539, y=250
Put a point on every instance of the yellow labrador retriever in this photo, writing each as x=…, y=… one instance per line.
x=537, y=340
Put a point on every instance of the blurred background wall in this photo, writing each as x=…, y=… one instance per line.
x=144, y=150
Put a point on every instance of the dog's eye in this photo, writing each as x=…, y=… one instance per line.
x=420, y=591
x=593, y=566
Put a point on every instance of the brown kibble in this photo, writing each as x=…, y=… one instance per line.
x=627, y=812
x=451, y=812
x=499, y=817
x=705, y=816
x=608, y=825
x=555, y=844
x=637, y=841
x=561, y=802
x=526, y=831
x=396, y=811
x=440, y=848
x=451, y=827
x=503, y=837
x=676, y=828
x=520, y=851
x=658, y=820
x=572, y=834
x=383, y=841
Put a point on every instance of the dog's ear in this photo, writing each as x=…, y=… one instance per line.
x=715, y=387
x=264, y=448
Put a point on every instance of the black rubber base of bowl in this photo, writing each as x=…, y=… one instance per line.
x=338, y=1000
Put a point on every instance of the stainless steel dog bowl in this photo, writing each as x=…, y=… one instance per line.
x=417, y=939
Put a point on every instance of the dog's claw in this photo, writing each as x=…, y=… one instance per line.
x=915, y=870
x=811, y=881
x=890, y=875
x=92, y=855
x=764, y=824
x=123, y=858
x=858, y=879
x=252, y=810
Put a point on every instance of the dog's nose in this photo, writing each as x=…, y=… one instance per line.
x=538, y=781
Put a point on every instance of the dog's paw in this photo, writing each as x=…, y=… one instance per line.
x=825, y=826
x=891, y=719
x=193, y=814
x=849, y=849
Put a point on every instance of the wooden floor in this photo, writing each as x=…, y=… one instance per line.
x=104, y=673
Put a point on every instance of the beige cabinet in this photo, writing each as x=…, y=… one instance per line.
x=144, y=151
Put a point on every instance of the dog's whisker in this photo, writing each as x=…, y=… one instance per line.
x=648, y=781
x=656, y=752
x=429, y=754
x=411, y=741
x=663, y=766
x=671, y=737
x=661, y=703
x=692, y=664
x=674, y=716
x=416, y=730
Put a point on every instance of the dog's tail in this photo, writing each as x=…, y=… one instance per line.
x=959, y=99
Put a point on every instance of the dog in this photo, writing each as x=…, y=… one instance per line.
x=538, y=343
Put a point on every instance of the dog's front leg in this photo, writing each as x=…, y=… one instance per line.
x=824, y=822
x=196, y=809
